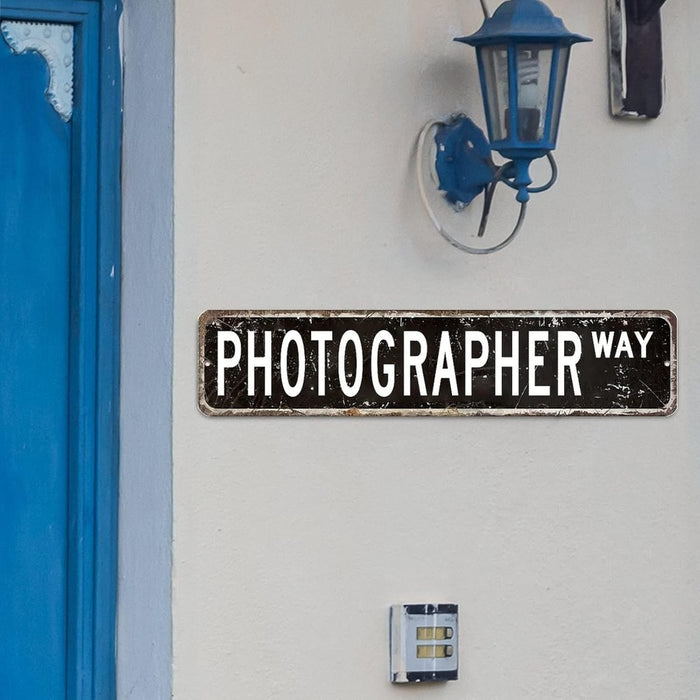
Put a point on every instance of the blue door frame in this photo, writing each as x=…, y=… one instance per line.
x=94, y=337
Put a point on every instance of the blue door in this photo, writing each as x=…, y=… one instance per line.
x=58, y=302
x=34, y=368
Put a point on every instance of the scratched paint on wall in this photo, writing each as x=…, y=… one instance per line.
x=437, y=363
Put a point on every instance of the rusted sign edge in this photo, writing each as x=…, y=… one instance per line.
x=207, y=316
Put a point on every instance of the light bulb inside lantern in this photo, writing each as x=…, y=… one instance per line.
x=533, y=67
x=532, y=95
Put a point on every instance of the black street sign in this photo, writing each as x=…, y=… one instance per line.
x=437, y=363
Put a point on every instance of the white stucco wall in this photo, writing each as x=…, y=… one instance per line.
x=571, y=545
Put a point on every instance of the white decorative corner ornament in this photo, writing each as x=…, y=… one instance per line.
x=55, y=43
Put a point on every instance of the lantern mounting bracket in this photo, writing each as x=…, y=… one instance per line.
x=463, y=162
x=464, y=169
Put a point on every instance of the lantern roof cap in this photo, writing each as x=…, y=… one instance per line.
x=522, y=20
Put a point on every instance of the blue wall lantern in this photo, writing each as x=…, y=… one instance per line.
x=523, y=56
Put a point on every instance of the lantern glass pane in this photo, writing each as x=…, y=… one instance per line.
x=495, y=67
x=534, y=63
x=559, y=82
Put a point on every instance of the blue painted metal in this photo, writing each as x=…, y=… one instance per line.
x=519, y=175
x=523, y=21
x=59, y=299
x=513, y=129
x=463, y=160
x=465, y=168
x=549, y=117
x=513, y=24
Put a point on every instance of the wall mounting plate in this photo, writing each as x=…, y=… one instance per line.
x=463, y=160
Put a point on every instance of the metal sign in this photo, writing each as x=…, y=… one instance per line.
x=437, y=363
